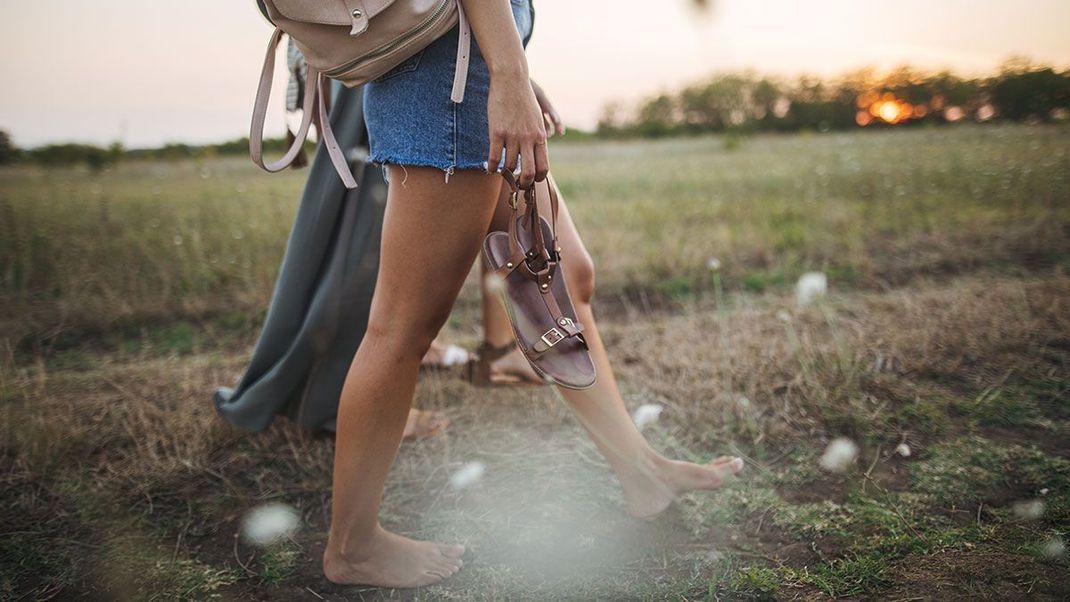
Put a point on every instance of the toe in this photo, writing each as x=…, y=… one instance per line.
x=730, y=466
x=446, y=568
x=451, y=550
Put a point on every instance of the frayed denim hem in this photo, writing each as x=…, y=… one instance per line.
x=447, y=168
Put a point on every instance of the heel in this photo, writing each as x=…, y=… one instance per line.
x=479, y=369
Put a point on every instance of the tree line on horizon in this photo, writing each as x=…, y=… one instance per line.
x=737, y=103
x=747, y=102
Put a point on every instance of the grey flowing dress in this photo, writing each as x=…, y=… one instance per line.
x=319, y=309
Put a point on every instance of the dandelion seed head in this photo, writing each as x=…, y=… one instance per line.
x=903, y=450
x=1054, y=548
x=839, y=455
x=713, y=264
x=811, y=286
x=714, y=556
x=494, y=283
x=269, y=523
x=467, y=475
x=646, y=414
x=454, y=356
x=1044, y=491
x=1028, y=509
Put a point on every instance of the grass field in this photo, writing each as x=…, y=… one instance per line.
x=128, y=296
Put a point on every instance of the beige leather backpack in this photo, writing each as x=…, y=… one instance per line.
x=352, y=41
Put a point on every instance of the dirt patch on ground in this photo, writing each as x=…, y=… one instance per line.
x=982, y=572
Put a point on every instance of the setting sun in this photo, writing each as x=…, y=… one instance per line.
x=889, y=111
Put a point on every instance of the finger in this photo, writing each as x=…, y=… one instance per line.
x=494, y=158
x=542, y=161
x=512, y=148
x=559, y=125
x=548, y=123
x=527, y=166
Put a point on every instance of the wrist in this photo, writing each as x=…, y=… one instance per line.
x=508, y=70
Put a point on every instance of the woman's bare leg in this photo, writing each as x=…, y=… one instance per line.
x=649, y=480
x=431, y=234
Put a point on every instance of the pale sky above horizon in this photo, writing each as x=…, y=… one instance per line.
x=148, y=72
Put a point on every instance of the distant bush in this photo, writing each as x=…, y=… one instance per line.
x=94, y=157
x=9, y=153
x=238, y=146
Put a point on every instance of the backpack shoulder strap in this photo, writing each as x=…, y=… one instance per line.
x=313, y=108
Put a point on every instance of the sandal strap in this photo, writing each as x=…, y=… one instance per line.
x=490, y=353
x=554, y=336
x=546, y=256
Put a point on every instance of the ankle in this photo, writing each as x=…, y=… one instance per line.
x=644, y=465
x=500, y=340
x=350, y=548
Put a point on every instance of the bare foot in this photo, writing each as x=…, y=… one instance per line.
x=512, y=368
x=423, y=424
x=649, y=492
x=390, y=560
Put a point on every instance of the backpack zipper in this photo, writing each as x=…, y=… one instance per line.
x=395, y=44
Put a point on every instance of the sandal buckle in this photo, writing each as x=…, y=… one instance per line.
x=552, y=337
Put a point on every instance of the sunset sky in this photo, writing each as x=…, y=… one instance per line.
x=147, y=72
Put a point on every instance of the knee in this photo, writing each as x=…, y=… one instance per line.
x=408, y=335
x=580, y=273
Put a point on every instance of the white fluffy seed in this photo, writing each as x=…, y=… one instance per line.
x=1029, y=509
x=1054, y=548
x=269, y=523
x=494, y=283
x=468, y=475
x=811, y=286
x=903, y=450
x=713, y=264
x=454, y=356
x=647, y=413
x=839, y=455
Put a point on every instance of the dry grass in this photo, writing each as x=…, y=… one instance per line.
x=130, y=458
x=144, y=243
x=947, y=327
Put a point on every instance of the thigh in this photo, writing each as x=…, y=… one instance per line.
x=431, y=235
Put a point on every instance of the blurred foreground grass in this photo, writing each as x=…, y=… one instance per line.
x=942, y=350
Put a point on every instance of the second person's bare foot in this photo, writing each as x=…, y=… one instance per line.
x=391, y=560
x=650, y=490
x=515, y=367
x=423, y=424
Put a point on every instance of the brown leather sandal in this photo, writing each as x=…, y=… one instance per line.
x=535, y=294
x=480, y=370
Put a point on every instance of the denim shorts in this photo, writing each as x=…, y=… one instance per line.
x=410, y=117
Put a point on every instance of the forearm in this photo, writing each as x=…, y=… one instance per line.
x=495, y=31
